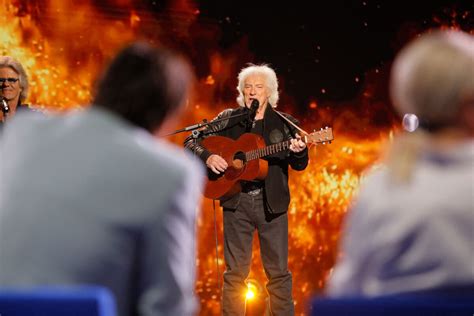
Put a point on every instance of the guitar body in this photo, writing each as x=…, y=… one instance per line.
x=243, y=159
x=233, y=151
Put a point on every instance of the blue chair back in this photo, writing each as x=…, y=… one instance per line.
x=55, y=301
x=429, y=304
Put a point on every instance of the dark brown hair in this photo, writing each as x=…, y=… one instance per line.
x=144, y=84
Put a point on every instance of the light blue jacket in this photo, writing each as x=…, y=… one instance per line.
x=87, y=198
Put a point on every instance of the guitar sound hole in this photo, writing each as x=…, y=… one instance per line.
x=238, y=161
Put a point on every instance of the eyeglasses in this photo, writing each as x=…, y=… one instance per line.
x=10, y=80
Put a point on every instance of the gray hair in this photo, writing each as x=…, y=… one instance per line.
x=271, y=82
x=7, y=61
x=433, y=76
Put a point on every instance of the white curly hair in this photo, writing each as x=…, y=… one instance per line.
x=271, y=82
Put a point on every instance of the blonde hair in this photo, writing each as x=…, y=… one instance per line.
x=7, y=61
x=433, y=78
x=270, y=80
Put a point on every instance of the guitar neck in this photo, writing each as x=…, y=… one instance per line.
x=268, y=150
x=323, y=136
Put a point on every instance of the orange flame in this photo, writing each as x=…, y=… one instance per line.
x=64, y=53
x=64, y=50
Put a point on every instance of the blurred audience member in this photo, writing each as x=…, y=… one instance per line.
x=412, y=227
x=92, y=198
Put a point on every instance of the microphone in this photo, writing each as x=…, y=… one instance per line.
x=254, y=106
x=5, y=107
x=249, y=122
x=253, y=109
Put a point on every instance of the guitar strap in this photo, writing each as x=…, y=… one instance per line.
x=292, y=124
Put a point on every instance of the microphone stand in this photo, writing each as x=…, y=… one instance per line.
x=196, y=128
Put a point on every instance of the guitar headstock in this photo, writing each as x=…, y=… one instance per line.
x=324, y=136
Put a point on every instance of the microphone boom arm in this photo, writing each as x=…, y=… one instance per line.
x=204, y=123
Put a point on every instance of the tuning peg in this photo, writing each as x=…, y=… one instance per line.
x=324, y=143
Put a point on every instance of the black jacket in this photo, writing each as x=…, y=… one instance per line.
x=275, y=130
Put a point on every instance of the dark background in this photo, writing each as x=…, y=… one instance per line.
x=321, y=50
x=316, y=45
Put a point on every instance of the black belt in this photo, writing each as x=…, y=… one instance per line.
x=252, y=188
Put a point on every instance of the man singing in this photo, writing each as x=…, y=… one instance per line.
x=261, y=205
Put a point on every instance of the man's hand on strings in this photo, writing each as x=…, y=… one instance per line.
x=216, y=163
x=297, y=144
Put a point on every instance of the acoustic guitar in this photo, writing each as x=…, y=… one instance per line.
x=243, y=157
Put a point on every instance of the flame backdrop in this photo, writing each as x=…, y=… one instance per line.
x=65, y=44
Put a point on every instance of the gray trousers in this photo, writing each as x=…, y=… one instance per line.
x=239, y=226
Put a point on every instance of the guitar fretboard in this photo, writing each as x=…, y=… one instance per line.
x=323, y=136
x=268, y=150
